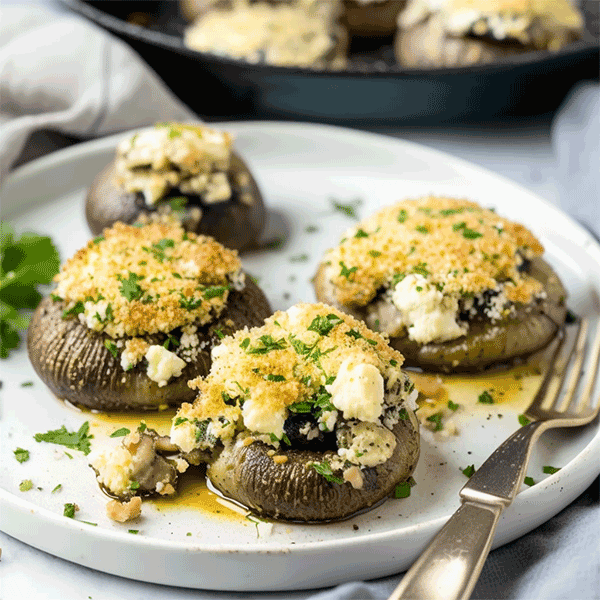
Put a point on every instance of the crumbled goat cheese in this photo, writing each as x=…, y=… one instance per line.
x=163, y=364
x=357, y=390
x=428, y=314
x=259, y=417
x=365, y=444
x=183, y=436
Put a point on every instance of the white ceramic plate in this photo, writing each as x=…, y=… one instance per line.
x=300, y=168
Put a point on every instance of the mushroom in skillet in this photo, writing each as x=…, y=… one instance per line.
x=460, y=33
x=307, y=418
x=190, y=171
x=135, y=314
x=455, y=286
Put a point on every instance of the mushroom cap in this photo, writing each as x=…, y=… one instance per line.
x=233, y=223
x=73, y=361
x=294, y=491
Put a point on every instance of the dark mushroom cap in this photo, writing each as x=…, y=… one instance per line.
x=233, y=223
x=74, y=362
x=294, y=491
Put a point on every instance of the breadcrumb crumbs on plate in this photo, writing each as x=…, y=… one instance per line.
x=456, y=244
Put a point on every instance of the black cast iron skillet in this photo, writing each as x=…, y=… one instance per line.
x=373, y=90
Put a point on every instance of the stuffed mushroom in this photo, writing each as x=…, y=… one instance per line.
x=307, y=418
x=304, y=33
x=188, y=171
x=455, y=286
x=135, y=314
x=460, y=33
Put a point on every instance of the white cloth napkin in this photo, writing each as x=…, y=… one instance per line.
x=58, y=72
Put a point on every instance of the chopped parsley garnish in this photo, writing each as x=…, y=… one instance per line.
x=134, y=485
x=485, y=398
x=361, y=233
x=402, y=490
x=179, y=420
x=446, y=212
x=27, y=384
x=177, y=204
x=21, y=455
x=133, y=531
x=120, y=432
x=311, y=229
x=271, y=377
x=75, y=310
x=469, y=471
x=349, y=209
x=78, y=440
x=301, y=407
x=529, y=481
x=374, y=253
x=299, y=258
x=57, y=488
x=324, y=469
x=422, y=229
x=266, y=344
x=171, y=131
x=25, y=263
x=130, y=289
x=402, y=216
x=111, y=347
x=189, y=303
x=452, y=405
x=346, y=272
x=436, y=419
x=523, y=420
x=227, y=399
x=550, y=470
x=420, y=269
x=25, y=485
x=215, y=291
x=142, y=427
x=467, y=233
x=324, y=324
x=273, y=244
x=220, y=334
x=171, y=341
x=69, y=510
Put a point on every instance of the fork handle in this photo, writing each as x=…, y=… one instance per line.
x=450, y=565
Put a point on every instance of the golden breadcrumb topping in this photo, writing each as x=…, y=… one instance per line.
x=192, y=158
x=284, y=362
x=457, y=245
x=136, y=280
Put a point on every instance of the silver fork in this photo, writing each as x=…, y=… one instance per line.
x=450, y=566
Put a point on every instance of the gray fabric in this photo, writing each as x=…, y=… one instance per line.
x=108, y=88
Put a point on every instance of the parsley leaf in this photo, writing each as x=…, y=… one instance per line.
x=120, y=432
x=402, y=490
x=215, y=291
x=529, y=481
x=266, y=344
x=130, y=289
x=324, y=469
x=485, y=398
x=25, y=263
x=452, y=405
x=523, y=420
x=437, y=420
x=21, y=455
x=324, y=324
x=469, y=471
x=349, y=209
x=25, y=485
x=550, y=470
x=346, y=272
x=69, y=510
x=78, y=440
